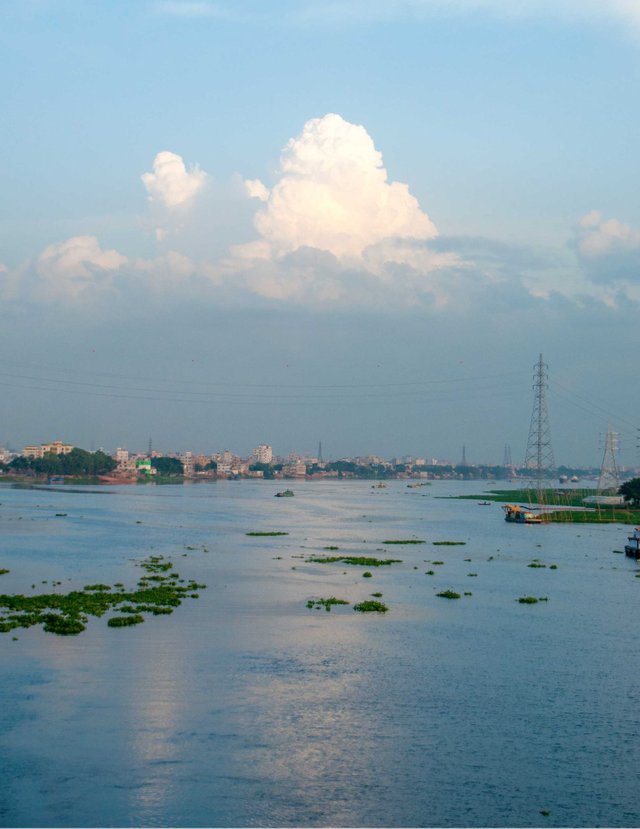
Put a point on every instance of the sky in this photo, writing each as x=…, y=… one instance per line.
x=229, y=223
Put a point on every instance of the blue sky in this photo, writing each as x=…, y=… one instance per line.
x=228, y=223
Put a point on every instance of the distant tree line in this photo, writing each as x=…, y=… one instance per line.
x=77, y=462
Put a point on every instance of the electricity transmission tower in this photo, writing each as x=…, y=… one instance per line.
x=609, y=476
x=539, y=455
x=506, y=460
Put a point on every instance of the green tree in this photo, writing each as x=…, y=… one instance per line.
x=265, y=468
x=631, y=491
x=168, y=466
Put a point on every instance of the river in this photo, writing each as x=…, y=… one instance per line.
x=246, y=708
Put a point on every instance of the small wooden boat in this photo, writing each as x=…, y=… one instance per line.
x=286, y=493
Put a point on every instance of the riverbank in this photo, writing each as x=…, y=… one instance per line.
x=558, y=506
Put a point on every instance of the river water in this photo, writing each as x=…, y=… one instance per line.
x=245, y=708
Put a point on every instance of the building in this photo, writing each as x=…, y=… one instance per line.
x=121, y=456
x=188, y=464
x=57, y=447
x=262, y=454
x=143, y=467
x=295, y=469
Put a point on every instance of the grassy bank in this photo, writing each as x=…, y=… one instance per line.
x=568, y=505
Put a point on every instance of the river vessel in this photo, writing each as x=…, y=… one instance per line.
x=632, y=549
x=286, y=493
x=519, y=515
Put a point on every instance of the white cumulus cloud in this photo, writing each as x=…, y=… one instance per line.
x=608, y=250
x=69, y=268
x=333, y=194
x=598, y=236
x=171, y=184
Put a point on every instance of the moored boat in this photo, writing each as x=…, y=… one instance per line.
x=519, y=515
x=632, y=549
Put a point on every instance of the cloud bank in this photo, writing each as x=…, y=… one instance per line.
x=332, y=230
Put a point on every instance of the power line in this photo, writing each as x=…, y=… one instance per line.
x=225, y=384
x=569, y=394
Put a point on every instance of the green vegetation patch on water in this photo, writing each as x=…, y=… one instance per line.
x=448, y=594
x=3, y=571
x=125, y=621
x=261, y=534
x=448, y=543
x=532, y=599
x=404, y=541
x=67, y=613
x=326, y=603
x=360, y=561
x=370, y=606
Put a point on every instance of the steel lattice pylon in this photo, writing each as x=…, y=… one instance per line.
x=609, y=476
x=539, y=455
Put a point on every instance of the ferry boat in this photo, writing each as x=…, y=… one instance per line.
x=519, y=515
x=632, y=549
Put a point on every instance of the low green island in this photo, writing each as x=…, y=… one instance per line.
x=158, y=592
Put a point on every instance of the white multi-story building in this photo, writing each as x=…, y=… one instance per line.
x=262, y=454
x=121, y=456
x=187, y=463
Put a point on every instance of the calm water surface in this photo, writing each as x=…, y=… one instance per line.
x=244, y=708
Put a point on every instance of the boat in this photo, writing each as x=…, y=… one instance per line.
x=632, y=549
x=286, y=493
x=519, y=515
x=484, y=503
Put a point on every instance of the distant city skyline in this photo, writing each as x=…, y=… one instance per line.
x=366, y=229
x=265, y=454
